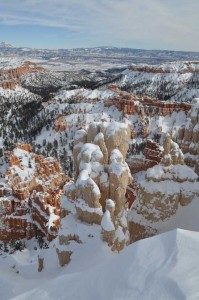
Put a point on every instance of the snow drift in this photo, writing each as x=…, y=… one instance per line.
x=161, y=267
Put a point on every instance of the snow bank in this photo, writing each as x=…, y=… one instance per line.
x=163, y=267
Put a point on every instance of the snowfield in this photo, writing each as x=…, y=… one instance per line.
x=161, y=267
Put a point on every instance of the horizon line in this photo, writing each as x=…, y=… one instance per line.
x=95, y=47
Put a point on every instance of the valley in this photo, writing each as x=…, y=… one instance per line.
x=99, y=153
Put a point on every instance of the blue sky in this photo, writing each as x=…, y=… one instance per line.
x=147, y=24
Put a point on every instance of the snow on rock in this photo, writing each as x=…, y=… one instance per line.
x=173, y=81
x=86, y=94
x=188, y=137
x=95, y=181
x=117, y=163
x=117, y=137
x=119, y=178
x=31, y=190
x=87, y=198
x=166, y=188
x=100, y=94
x=107, y=224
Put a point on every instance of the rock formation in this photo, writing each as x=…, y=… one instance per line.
x=188, y=67
x=10, y=78
x=63, y=256
x=131, y=104
x=166, y=187
x=152, y=155
x=40, y=263
x=188, y=137
x=98, y=194
x=95, y=157
x=108, y=222
x=30, y=194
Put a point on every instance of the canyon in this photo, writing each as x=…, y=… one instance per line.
x=94, y=164
x=99, y=150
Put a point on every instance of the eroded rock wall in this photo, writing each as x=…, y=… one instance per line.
x=166, y=187
x=30, y=195
x=188, y=137
x=10, y=78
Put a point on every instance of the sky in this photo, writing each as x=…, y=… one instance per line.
x=142, y=24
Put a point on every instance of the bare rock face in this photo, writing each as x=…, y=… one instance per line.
x=153, y=153
x=98, y=194
x=40, y=263
x=166, y=187
x=63, y=257
x=188, y=137
x=131, y=104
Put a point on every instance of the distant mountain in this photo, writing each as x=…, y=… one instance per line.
x=125, y=55
x=5, y=45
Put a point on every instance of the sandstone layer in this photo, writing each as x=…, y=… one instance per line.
x=10, y=78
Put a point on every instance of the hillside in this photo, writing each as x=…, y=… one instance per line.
x=171, y=81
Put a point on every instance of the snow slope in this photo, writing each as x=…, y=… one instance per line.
x=161, y=267
x=177, y=81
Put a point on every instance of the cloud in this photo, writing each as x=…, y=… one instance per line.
x=171, y=24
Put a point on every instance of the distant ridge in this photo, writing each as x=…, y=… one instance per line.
x=5, y=45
